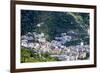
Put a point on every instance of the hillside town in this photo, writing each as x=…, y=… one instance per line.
x=37, y=43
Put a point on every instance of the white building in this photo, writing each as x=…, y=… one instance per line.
x=82, y=43
x=24, y=43
x=36, y=45
x=31, y=45
x=39, y=24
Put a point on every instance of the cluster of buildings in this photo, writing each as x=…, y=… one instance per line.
x=74, y=53
x=56, y=48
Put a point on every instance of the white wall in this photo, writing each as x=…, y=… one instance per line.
x=5, y=36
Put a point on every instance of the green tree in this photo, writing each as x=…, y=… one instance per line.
x=25, y=54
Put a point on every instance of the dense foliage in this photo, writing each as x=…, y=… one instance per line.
x=28, y=56
x=54, y=23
